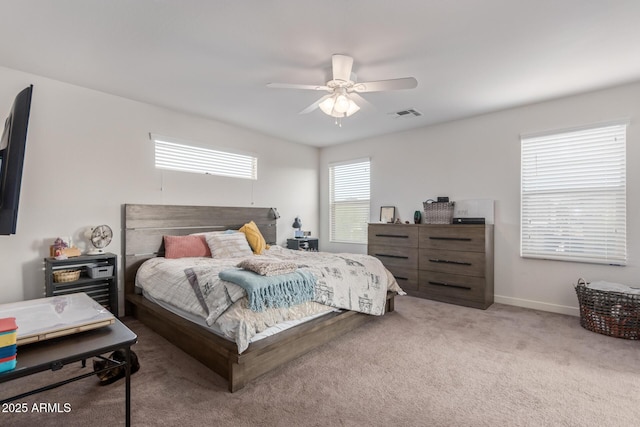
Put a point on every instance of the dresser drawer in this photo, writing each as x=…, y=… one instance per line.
x=453, y=237
x=451, y=287
x=454, y=262
x=395, y=256
x=393, y=235
x=407, y=278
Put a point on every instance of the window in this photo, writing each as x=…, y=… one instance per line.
x=175, y=155
x=349, y=195
x=573, y=188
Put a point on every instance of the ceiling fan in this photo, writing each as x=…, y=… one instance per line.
x=344, y=89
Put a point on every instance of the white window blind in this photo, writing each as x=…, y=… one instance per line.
x=573, y=201
x=175, y=155
x=349, y=201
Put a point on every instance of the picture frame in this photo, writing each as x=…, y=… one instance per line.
x=387, y=214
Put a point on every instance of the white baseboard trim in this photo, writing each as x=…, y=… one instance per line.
x=537, y=305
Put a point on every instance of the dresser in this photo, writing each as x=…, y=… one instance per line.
x=452, y=263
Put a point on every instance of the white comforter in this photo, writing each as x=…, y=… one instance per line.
x=345, y=281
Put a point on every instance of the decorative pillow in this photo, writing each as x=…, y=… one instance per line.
x=185, y=246
x=268, y=266
x=231, y=245
x=206, y=233
x=254, y=237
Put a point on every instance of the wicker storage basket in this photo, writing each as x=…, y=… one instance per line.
x=616, y=314
x=63, y=276
x=438, y=212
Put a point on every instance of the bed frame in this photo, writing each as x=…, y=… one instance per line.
x=144, y=226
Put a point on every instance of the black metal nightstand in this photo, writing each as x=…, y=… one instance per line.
x=303, y=244
x=98, y=278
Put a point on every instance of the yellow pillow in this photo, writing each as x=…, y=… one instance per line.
x=254, y=237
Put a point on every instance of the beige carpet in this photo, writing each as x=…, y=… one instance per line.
x=427, y=364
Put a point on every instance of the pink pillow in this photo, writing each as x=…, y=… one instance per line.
x=185, y=246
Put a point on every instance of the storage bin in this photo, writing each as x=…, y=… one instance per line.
x=8, y=346
x=438, y=212
x=616, y=314
x=8, y=363
x=98, y=271
x=8, y=338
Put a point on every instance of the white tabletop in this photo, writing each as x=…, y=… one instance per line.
x=46, y=318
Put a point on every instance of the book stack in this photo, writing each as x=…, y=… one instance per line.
x=7, y=343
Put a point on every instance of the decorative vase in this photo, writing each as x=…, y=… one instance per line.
x=417, y=217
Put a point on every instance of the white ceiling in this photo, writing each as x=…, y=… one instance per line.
x=214, y=58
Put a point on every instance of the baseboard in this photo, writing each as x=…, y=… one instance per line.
x=537, y=305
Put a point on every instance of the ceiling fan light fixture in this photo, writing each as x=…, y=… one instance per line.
x=327, y=105
x=339, y=105
x=342, y=103
x=353, y=108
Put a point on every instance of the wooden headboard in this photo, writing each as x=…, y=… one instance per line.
x=145, y=225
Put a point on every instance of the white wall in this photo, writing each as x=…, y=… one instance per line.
x=479, y=158
x=89, y=152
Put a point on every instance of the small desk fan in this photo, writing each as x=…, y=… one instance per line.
x=100, y=237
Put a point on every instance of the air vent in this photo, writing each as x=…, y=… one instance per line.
x=407, y=113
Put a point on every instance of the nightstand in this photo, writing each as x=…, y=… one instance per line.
x=98, y=278
x=303, y=244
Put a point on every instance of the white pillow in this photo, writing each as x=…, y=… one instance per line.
x=228, y=245
x=206, y=233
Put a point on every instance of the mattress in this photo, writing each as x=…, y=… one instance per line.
x=192, y=288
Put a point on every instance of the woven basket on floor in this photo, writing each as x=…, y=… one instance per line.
x=616, y=314
x=63, y=276
x=438, y=212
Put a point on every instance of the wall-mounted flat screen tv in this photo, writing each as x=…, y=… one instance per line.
x=12, y=151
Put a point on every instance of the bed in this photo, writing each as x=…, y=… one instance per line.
x=144, y=228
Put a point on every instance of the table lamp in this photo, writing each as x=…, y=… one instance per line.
x=297, y=223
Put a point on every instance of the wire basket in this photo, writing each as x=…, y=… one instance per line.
x=63, y=276
x=438, y=212
x=616, y=314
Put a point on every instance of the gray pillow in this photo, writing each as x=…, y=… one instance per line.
x=228, y=245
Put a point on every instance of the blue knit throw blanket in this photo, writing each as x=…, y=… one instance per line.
x=282, y=290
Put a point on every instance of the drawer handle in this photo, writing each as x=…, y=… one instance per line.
x=392, y=235
x=400, y=278
x=460, y=239
x=393, y=256
x=445, y=261
x=449, y=285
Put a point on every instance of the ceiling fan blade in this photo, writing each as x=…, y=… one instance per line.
x=360, y=100
x=383, y=85
x=296, y=86
x=315, y=105
x=341, y=66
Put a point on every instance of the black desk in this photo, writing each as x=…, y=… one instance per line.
x=55, y=353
